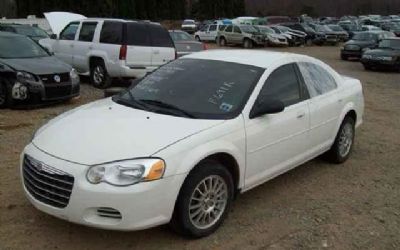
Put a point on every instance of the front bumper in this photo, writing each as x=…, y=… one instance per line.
x=141, y=206
x=380, y=63
x=352, y=53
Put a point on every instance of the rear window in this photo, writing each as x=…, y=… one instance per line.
x=138, y=34
x=160, y=36
x=111, y=32
x=87, y=31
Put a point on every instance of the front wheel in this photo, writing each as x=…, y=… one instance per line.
x=248, y=44
x=344, y=141
x=222, y=42
x=5, y=94
x=204, y=200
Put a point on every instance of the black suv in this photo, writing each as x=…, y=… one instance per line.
x=362, y=41
x=385, y=56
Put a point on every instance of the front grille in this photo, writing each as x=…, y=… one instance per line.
x=47, y=184
x=352, y=47
x=58, y=91
x=109, y=212
x=50, y=79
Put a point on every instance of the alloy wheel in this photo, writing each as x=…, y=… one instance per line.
x=346, y=139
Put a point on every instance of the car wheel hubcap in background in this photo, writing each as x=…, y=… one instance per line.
x=98, y=75
x=208, y=202
x=345, y=139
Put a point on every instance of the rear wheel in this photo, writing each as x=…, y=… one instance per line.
x=248, y=44
x=222, y=42
x=344, y=57
x=98, y=74
x=344, y=142
x=204, y=200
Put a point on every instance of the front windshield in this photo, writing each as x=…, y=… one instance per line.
x=335, y=28
x=181, y=36
x=248, y=29
x=322, y=28
x=390, y=43
x=204, y=89
x=266, y=30
x=365, y=37
x=283, y=28
x=20, y=47
x=188, y=22
x=31, y=31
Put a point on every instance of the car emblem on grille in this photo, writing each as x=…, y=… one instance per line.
x=57, y=78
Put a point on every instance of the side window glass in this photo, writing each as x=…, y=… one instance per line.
x=236, y=29
x=111, y=32
x=318, y=80
x=87, y=32
x=69, y=32
x=138, y=34
x=160, y=36
x=213, y=28
x=229, y=28
x=283, y=84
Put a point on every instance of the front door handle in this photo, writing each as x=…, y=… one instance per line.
x=301, y=115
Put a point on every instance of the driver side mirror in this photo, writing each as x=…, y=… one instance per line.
x=265, y=107
x=53, y=37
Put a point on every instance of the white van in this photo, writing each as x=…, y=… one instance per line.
x=209, y=32
x=113, y=48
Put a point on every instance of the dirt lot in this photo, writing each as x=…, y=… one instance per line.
x=351, y=206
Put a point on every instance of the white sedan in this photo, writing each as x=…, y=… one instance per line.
x=178, y=146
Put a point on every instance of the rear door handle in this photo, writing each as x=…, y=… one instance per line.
x=156, y=52
x=301, y=115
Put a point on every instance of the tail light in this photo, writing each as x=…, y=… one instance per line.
x=122, y=52
x=205, y=46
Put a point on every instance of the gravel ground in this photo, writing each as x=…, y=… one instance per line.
x=318, y=205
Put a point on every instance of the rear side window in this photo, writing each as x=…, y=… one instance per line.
x=236, y=29
x=160, y=36
x=229, y=28
x=69, y=32
x=112, y=32
x=318, y=80
x=137, y=34
x=213, y=28
x=87, y=31
x=283, y=85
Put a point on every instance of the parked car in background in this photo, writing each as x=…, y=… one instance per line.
x=30, y=75
x=189, y=25
x=370, y=28
x=272, y=38
x=112, y=48
x=185, y=44
x=32, y=32
x=294, y=37
x=340, y=32
x=209, y=33
x=331, y=37
x=392, y=27
x=245, y=35
x=312, y=36
x=350, y=27
x=385, y=56
x=362, y=41
x=178, y=146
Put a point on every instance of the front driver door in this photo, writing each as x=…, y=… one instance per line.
x=277, y=142
x=64, y=46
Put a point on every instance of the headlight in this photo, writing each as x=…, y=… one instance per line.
x=126, y=173
x=387, y=58
x=23, y=76
x=73, y=74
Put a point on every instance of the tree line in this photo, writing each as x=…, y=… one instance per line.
x=136, y=9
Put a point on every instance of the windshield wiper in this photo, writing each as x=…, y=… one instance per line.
x=167, y=106
x=132, y=102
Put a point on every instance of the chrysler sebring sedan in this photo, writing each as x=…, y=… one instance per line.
x=180, y=144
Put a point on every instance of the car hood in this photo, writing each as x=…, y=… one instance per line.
x=38, y=66
x=58, y=20
x=276, y=36
x=382, y=52
x=362, y=44
x=104, y=131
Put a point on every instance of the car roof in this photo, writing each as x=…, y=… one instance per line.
x=262, y=59
x=114, y=19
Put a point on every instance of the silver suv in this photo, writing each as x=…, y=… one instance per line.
x=245, y=35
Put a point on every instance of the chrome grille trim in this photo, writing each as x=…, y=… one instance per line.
x=47, y=184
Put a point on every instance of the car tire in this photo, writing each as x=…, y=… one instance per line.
x=98, y=74
x=248, y=44
x=344, y=141
x=197, y=38
x=195, y=203
x=309, y=42
x=343, y=57
x=222, y=42
x=6, y=100
x=367, y=67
